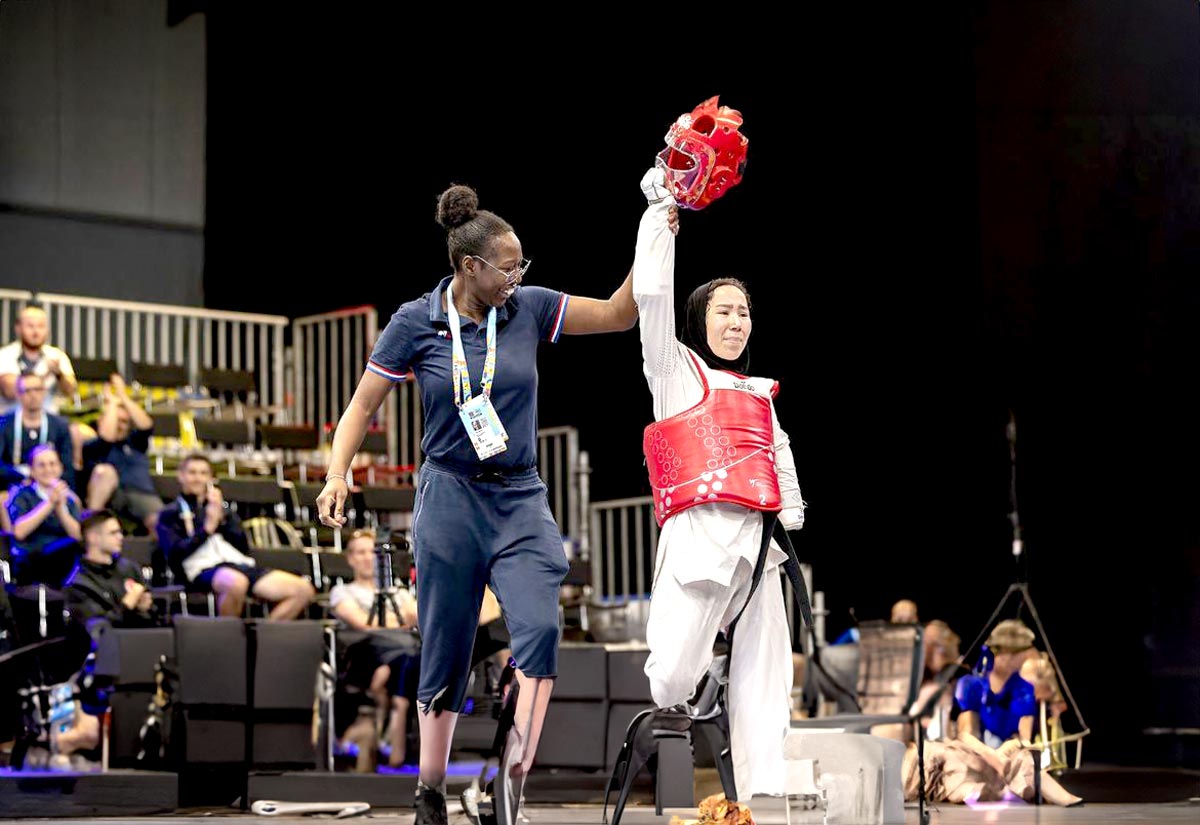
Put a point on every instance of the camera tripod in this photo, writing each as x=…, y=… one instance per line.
x=385, y=588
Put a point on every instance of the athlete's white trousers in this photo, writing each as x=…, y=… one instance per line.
x=683, y=623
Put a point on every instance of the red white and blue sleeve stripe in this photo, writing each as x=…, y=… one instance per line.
x=391, y=375
x=559, y=317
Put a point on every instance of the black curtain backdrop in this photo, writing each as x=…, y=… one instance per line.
x=945, y=217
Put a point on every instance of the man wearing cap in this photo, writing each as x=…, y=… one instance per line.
x=998, y=704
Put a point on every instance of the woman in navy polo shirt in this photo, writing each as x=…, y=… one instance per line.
x=481, y=515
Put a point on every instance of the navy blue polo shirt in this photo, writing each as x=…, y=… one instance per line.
x=417, y=338
x=128, y=458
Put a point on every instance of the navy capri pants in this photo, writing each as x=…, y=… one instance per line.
x=471, y=530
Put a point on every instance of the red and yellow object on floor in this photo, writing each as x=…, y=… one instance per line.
x=717, y=810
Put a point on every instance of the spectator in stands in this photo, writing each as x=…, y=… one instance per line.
x=904, y=612
x=941, y=652
x=45, y=516
x=116, y=468
x=997, y=704
x=30, y=354
x=26, y=427
x=386, y=666
x=205, y=545
x=1039, y=671
x=105, y=590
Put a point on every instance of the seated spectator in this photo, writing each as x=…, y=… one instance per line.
x=966, y=770
x=386, y=667
x=31, y=355
x=45, y=522
x=115, y=466
x=103, y=591
x=941, y=652
x=998, y=704
x=30, y=425
x=904, y=612
x=1039, y=671
x=205, y=545
x=106, y=590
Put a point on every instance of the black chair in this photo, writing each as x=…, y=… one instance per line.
x=375, y=502
x=168, y=376
x=90, y=375
x=388, y=499
x=287, y=559
x=252, y=496
x=234, y=387
x=166, y=424
x=374, y=442
x=223, y=432
x=94, y=370
x=277, y=437
x=139, y=550
x=166, y=486
x=285, y=442
x=211, y=697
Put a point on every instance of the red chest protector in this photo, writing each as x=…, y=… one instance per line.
x=722, y=449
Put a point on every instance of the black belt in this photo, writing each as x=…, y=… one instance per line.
x=773, y=527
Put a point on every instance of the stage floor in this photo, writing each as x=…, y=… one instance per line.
x=591, y=815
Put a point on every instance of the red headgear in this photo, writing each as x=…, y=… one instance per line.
x=705, y=154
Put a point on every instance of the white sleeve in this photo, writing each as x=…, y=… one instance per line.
x=654, y=289
x=792, y=516
x=64, y=365
x=337, y=595
x=8, y=361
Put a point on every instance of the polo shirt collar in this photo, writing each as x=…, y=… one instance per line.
x=437, y=315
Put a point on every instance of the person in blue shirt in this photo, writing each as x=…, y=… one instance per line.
x=28, y=425
x=998, y=704
x=45, y=515
x=481, y=516
x=115, y=463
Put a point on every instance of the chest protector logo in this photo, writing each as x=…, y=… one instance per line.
x=720, y=450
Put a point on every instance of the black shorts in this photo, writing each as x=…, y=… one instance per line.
x=203, y=582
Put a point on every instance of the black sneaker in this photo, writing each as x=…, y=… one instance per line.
x=431, y=807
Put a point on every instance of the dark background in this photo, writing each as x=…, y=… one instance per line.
x=945, y=217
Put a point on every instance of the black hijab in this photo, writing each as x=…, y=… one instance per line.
x=695, y=330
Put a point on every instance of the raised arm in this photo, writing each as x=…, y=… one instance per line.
x=620, y=311
x=654, y=276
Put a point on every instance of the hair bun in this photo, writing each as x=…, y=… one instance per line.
x=456, y=206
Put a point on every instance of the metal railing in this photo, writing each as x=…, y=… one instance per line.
x=329, y=353
x=623, y=536
x=558, y=465
x=12, y=301
x=131, y=331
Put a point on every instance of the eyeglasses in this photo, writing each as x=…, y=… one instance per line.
x=511, y=276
